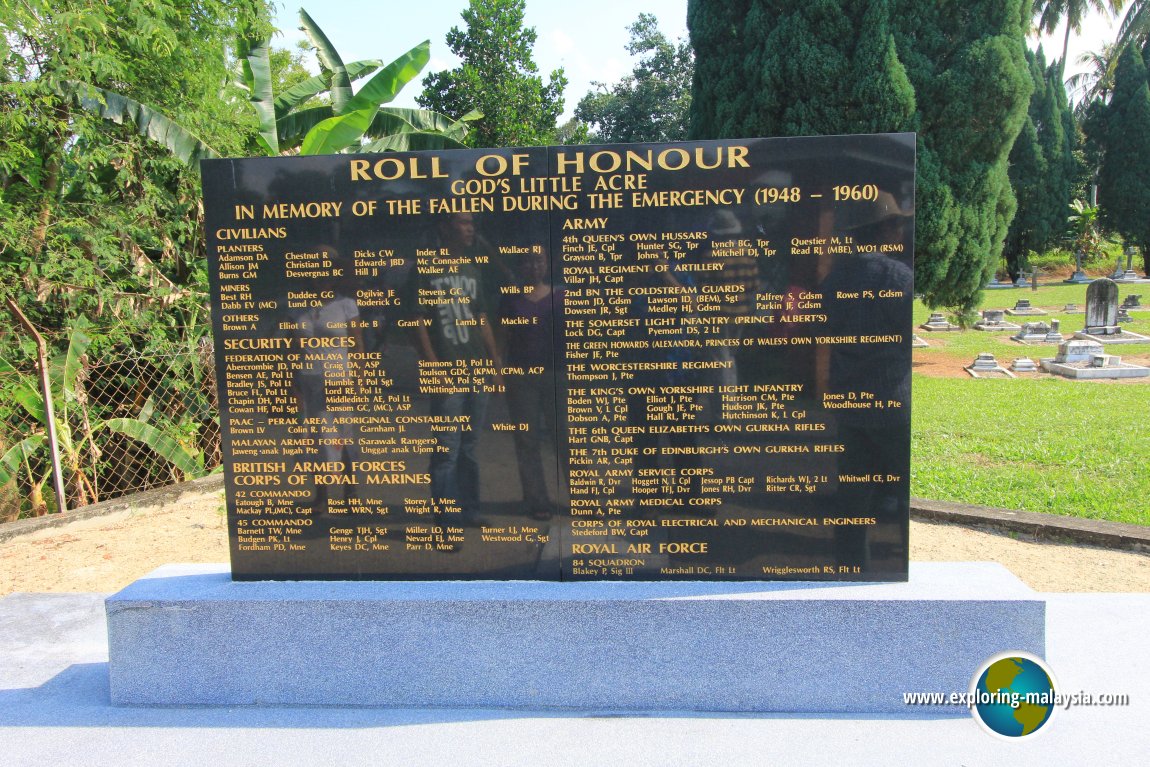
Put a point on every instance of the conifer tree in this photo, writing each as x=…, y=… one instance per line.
x=954, y=72
x=1028, y=168
x=1044, y=169
x=1124, y=179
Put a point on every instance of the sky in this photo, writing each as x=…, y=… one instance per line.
x=587, y=39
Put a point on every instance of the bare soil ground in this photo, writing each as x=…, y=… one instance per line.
x=941, y=362
x=106, y=553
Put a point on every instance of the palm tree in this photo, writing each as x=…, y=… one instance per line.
x=1050, y=13
x=1135, y=25
x=1097, y=82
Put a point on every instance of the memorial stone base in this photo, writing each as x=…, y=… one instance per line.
x=1088, y=371
x=1119, y=337
x=188, y=635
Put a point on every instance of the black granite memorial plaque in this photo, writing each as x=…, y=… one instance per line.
x=643, y=362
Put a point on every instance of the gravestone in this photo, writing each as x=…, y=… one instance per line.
x=1023, y=365
x=1023, y=308
x=1077, y=350
x=993, y=321
x=1102, y=316
x=1071, y=309
x=918, y=342
x=1105, y=361
x=1102, y=308
x=986, y=366
x=996, y=284
x=1132, y=301
x=640, y=362
x=1088, y=360
x=1124, y=315
x=938, y=323
x=1038, y=333
x=1079, y=277
x=1118, y=271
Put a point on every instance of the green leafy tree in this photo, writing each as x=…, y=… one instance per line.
x=497, y=77
x=653, y=103
x=103, y=104
x=954, y=72
x=574, y=131
x=97, y=217
x=1124, y=178
x=289, y=67
x=1044, y=167
x=1028, y=167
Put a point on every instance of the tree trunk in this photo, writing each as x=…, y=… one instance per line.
x=1065, y=51
x=50, y=183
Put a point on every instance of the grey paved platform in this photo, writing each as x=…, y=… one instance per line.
x=55, y=709
x=190, y=635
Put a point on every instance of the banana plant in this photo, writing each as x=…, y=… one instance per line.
x=352, y=120
x=149, y=121
x=1083, y=228
x=76, y=431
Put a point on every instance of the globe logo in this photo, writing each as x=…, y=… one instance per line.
x=1013, y=695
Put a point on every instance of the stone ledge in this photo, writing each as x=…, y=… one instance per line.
x=1095, y=532
x=188, y=635
x=165, y=494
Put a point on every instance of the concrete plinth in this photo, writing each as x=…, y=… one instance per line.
x=1120, y=337
x=188, y=635
x=1086, y=371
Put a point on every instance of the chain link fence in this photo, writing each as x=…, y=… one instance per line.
x=123, y=424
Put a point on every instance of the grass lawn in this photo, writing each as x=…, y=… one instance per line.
x=1064, y=447
x=1078, y=448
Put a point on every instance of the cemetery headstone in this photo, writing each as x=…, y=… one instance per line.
x=1023, y=308
x=985, y=365
x=938, y=323
x=1087, y=360
x=993, y=320
x=1102, y=316
x=1038, y=333
x=1102, y=308
x=1079, y=276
